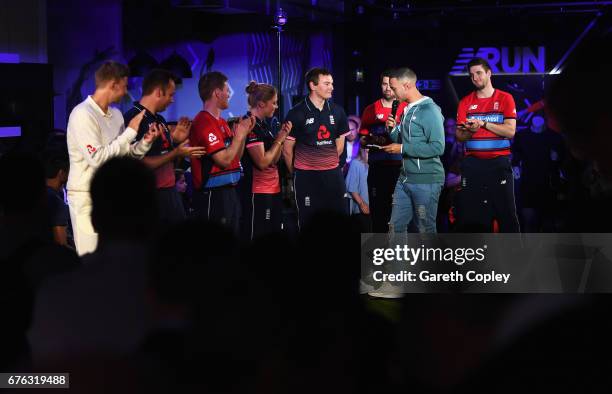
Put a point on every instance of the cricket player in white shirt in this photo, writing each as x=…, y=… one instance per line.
x=96, y=133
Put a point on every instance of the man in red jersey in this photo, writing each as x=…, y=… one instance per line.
x=216, y=174
x=384, y=167
x=486, y=121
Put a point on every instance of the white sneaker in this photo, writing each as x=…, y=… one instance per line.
x=387, y=290
x=365, y=288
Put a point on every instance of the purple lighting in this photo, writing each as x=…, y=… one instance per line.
x=9, y=58
x=6, y=132
x=280, y=17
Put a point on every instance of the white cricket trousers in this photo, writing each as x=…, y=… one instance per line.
x=85, y=238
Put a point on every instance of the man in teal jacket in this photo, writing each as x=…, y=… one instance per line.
x=419, y=138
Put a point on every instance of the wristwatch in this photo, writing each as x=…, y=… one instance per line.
x=484, y=125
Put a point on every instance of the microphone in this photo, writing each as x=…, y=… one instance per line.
x=394, y=110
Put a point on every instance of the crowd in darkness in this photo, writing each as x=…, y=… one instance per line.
x=191, y=307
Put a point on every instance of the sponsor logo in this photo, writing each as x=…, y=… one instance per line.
x=380, y=116
x=323, y=143
x=491, y=118
x=309, y=121
x=331, y=120
x=323, y=133
x=90, y=149
x=212, y=138
x=475, y=106
x=307, y=201
x=511, y=60
x=503, y=182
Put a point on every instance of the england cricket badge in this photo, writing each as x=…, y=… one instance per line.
x=331, y=119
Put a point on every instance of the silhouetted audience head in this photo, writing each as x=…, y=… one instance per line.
x=187, y=258
x=124, y=202
x=201, y=296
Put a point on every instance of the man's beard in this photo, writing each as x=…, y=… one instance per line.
x=389, y=96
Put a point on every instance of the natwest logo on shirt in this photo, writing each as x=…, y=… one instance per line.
x=323, y=136
x=323, y=133
x=90, y=149
x=212, y=138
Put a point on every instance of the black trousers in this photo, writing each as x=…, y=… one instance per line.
x=220, y=205
x=381, y=185
x=362, y=222
x=317, y=191
x=170, y=203
x=487, y=193
x=263, y=214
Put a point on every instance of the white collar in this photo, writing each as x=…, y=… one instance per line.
x=417, y=102
x=96, y=107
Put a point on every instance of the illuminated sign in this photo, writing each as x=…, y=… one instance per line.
x=14, y=131
x=504, y=60
x=429, y=84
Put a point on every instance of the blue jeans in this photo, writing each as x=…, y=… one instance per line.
x=418, y=202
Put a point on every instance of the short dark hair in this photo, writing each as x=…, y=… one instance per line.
x=157, y=78
x=313, y=75
x=478, y=61
x=386, y=73
x=111, y=70
x=403, y=73
x=54, y=161
x=209, y=82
